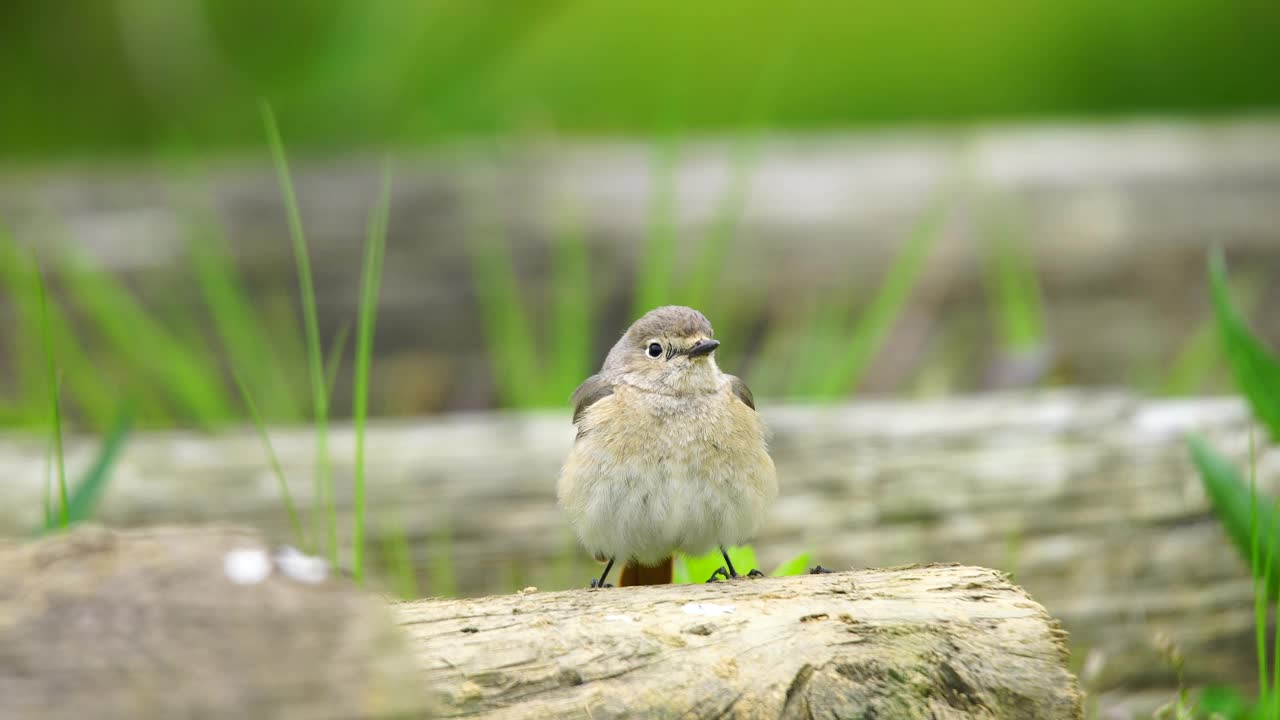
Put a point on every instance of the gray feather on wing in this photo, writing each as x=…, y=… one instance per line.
x=588, y=393
x=742, y=391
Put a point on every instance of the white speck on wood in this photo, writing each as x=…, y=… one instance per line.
x=246, y=567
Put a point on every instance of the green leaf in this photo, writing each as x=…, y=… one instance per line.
x=845, y=366
x=1255, y=368
x=1235, y=505
x=84, y=499
x=326, y=517
x=370, y=290
x=798, y=565
x=1014, y=283
x=689, y=569
x=1228, y=702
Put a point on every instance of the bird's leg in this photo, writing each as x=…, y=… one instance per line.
x=719, y=573
x=734, y=573
x=819, y=570
x=603, y=576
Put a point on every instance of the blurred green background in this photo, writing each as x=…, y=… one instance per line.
x=168, y=90
x=784, y=166
x=121, y=76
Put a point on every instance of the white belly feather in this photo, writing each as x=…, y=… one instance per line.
x=647, y=479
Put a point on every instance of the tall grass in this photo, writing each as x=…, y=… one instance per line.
x=1253, y=526
x=375, y=251
x=516, y=366
x=1014, y=284
x=286, y=497
x=828, y=359
x=325, y=521
x=251, y=344
x=55, y=403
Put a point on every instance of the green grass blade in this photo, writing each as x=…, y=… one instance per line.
x=157, y=360
x=48, y=485
x=239, y=324
x=85, y=386
x=717, y=246
x=1014, y=285
x=656, y=270
x=570, y=346
x=294, y=522
x=698, y=569
x=399, y=557
x=1259, y=590
x=1233, y=504
x=326, y=522
x=1256, y=369
x=289, y=344
x=375, y=250
x=85, y=497
x=443, y=579
x=810, y=374
x=334, y=363
x=1202, y=352
x=877, y=320
x=517, y=373
x=55, y=405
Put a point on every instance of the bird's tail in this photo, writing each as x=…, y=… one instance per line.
x=633, y=574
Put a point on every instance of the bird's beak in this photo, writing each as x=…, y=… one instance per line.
x=703, y=347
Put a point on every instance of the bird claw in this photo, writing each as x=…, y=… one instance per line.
x=730, y=575
x=595, y=583
x=819, y=570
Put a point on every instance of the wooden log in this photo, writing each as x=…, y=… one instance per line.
x=928, y=641
x=1089, y=498
x=190, y=623
x=161, y=623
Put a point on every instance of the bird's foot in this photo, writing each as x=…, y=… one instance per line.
x=819, y=570
x=595, y=583
x=731, y=575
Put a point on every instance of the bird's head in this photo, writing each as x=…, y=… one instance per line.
x=669, y=350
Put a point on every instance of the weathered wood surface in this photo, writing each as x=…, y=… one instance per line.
x=1088, y=497
x=1118, y=218
x=149, y=624
x=164, y=623
x=913, y=642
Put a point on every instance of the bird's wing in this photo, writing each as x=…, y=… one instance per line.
x=742, y=391
x=591, y=390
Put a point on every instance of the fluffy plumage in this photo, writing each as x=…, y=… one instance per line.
x=671, y=453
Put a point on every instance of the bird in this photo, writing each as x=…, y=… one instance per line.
x=670, y=453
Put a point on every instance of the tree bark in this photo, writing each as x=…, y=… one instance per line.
x=933, y=641
x=190, y=623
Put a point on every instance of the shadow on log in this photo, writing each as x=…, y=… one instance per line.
x=208, y=622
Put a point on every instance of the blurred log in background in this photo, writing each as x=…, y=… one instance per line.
x=1087, y=498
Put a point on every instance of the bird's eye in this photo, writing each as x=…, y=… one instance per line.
x=655, y=350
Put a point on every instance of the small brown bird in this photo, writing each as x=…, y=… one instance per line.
x=670, y=455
